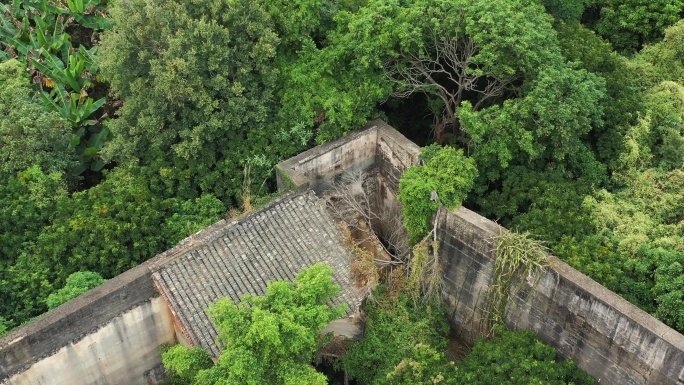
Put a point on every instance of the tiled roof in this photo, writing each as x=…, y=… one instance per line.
x=272, y=244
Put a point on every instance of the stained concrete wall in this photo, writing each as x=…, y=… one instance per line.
x=607, y=336
x=319, y=167
x=376, y=146
x=120, y=352
x=109, y=335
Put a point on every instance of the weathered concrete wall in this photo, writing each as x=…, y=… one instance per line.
x=317, y=168
x=377, y=149
x=608, y=337
x=109, y=335
x=74, y=320
x=120, y=352
x=377, y=146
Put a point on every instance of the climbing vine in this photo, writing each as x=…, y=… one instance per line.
x=519, y=257
x=425, y=273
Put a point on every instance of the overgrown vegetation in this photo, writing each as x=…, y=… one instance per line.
x=405, y=343
x=76, y=284
x=269, y=339
x=519, y=259
x=126, y=125
x=445, y=179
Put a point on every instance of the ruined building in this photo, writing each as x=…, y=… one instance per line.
x=111, y=334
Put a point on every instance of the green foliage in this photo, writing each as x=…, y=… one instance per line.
x=29, y=135
x=194, y=113
x=663, y=60
x=547, y=204
x=629, y=24
x=118, y=224
x=624, y=100
x=548, y=124
x=334, y=89
x=665, y=114
x=28, y=202
x=394, y=327
x=517, y=358
x=566, y=9
x=669, y=288
x=108, y=228
x=405, y=341
x=36, y=32
x=191, y=216
x=269, y=339
x=24, y=285
x=184, y=364
x=424, y=366
x=449, y=173
x=4, y=326
x=76, y=284
x=636, y=248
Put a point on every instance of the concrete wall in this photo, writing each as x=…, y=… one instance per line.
x=375, y=146
x=318, y=167
x=607, y=336
x=377, y=149
x=120, y=352
x=109, y=335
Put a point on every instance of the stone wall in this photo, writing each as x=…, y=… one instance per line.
x=607, y=336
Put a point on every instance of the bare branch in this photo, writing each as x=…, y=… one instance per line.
x=447, y=69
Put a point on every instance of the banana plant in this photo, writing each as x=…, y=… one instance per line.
x=79, y=65
x=89, y=150
x=77, y=108
x=72, y=106
x=34, y=31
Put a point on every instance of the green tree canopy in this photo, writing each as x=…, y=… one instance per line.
x=395, y=324
x=118, y=224
x=447, y=172
x=197, y=82
x=629, y=24
x=269, y=339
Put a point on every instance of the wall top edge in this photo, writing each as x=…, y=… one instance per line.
x=308, y=155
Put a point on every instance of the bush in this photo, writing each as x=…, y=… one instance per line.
x=394, y=327
x=517, y=358
x=76, y=284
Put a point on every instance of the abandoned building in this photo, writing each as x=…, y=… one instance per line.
x=112, y=334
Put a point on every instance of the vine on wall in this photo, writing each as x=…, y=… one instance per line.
x=519, y=257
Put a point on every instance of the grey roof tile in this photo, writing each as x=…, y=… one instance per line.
x=239, y=258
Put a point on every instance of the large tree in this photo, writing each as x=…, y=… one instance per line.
x=269, y=339
x=197, y=82
x=492, y=74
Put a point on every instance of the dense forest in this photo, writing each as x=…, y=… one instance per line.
x=126, y=125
